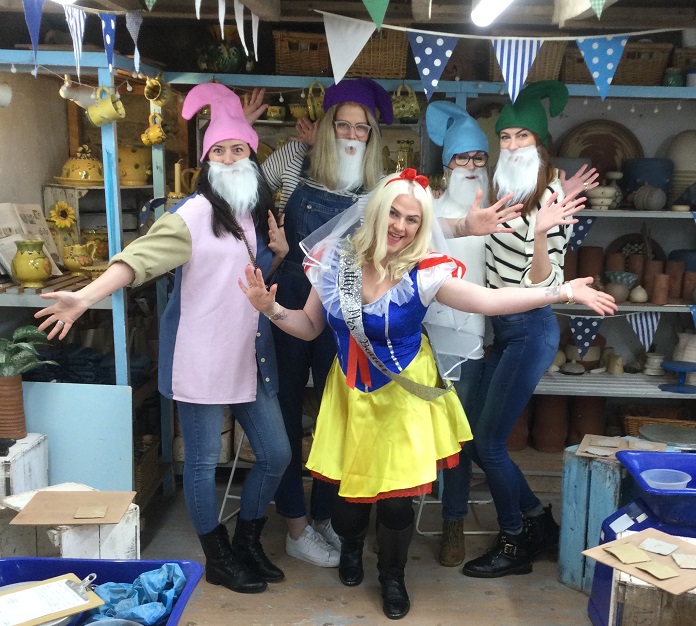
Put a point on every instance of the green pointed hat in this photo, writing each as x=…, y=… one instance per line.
x=528, y=112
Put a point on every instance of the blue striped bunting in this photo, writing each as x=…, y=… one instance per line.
x=644, y=325
x=515, y=57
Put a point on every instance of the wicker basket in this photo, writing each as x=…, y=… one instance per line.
x=632, y=423
x=684, y=59
x=546, y=66
x=301, y=54
x=384, y=56
x=146, y=467
x=640, y=64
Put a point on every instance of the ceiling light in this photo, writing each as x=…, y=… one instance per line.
x=485, y=12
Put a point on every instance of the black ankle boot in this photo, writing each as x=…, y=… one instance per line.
x=508, y=555
x=224, y=567
x=393, y=554
x=350, y=568
x=247, y=545
x=541, y=532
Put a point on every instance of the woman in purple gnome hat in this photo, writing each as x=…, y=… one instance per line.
x=215, y=349
x=318, y=182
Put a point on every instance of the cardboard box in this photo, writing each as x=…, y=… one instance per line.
x=26, y=467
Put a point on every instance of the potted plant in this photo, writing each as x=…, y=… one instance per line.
x=17, y=355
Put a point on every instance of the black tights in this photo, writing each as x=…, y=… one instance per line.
x=351, y=519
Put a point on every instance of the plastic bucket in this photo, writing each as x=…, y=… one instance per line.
x=663, y=478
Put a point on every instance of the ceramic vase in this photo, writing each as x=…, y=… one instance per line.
x=30, y=266
x=590, y=261
x=550, y=426
x=586, y=417
x=12, y=421
x=570, y=265
x=615, y=262
x=660, y=291
x=688, y=286
x=651, y=268
x=675, y=270
x=636, y=265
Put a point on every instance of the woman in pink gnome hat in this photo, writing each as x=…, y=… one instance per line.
x=215, y=349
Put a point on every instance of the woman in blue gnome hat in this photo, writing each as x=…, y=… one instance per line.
x=525, y=343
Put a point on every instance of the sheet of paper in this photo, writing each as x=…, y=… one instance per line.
x=658, y=570
x=657, y=546
x=606, y=442
x=621, y=523
x=685, y=561
x=37, y=601
x=628, y=553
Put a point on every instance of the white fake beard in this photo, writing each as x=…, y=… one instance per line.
x=350, y=153
x=237, y=183
x=462, y=186
x=517, y=172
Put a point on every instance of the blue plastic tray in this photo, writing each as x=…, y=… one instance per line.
x=676, y=507
x=25, y=569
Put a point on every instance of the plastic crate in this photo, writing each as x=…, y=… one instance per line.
x=18, y=570
x=676, y=507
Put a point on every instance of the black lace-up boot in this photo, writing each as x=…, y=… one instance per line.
x=247, y=544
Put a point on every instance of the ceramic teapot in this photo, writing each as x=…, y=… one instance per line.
x=77, y=257
x=82, y=169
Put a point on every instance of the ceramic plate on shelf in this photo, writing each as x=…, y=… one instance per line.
x=607, y=144
x=76, y=182
x=634, y=244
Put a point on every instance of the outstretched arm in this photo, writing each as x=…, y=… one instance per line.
x=304, y=324
x=464, y=296
x=68, y=305
x=485, y=220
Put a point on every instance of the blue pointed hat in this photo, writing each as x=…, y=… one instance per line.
x=454, y=129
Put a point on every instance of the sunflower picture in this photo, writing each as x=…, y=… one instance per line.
x=63, y=216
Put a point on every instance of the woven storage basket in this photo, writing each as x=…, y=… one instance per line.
x=546, y=66
x=684, y=59
x=301, y=54
x=146, y=467
x=640, y=64
x=633, y=423
x=384, y=56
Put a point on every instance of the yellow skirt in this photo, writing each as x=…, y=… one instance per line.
x=388, y=442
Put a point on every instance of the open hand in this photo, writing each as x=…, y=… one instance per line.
x=598, y=301
x=253, y=104
x=306, y=131
x=555, y=213
x=262, y=299
x=488, y=220
x=581, y=181
x=277, y=242
x=62, y=314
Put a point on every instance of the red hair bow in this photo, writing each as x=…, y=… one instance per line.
x=411, y=174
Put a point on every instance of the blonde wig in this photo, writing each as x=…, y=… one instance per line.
x=323, y=164
x=370, y=239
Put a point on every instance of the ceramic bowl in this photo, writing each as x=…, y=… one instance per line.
x=94, y=271
x=603, y=191
x=276, y=113
x=625, y=278
x=298, y=111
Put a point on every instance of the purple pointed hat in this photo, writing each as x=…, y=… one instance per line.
x=227, y=119
x=363, y=91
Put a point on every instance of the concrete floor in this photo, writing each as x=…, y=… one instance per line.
x=314, y=596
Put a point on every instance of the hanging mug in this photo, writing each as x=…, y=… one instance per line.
x=405, y=106
x=108, y=108
x=154, y=134
x=315, y=101
x=157, y=91
x=189, y=180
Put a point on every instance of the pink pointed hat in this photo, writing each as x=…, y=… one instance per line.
x=227, y=119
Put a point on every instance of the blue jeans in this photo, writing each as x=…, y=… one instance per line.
x=523, y=349
x=306, y=210
x=201, y=425
x=456, y=480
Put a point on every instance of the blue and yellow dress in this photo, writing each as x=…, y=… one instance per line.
x=372, y=436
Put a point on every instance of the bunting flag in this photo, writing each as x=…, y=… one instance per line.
x=644, y=325
x=377, y=10
x=76, y=25
x=239, y=19
x=134, y=20
x=584, y=331
x=602, y=56
x=515, y=57
x=221, y=18
x=255, y=34
x=108, y=24
x=32, y=16
x=346, y=37
x=149, y=4
x=692, y=308
x=597, y=6
x=431, y=53
x=580, y=231
x=198, y=9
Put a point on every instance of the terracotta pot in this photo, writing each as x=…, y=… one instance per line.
x=651, y=268
x=675, y=270
x=570, y=264
x=519, y=435
x=636, y=264
x=660, y=289
x=587, y=417
x=688, y=286
x=12, y=422
x=550, y=426
x=590, y=261
x=615, y=262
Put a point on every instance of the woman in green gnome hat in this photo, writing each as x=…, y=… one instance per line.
x=524, y=343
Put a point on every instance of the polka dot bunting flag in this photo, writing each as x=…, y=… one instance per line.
x=431, y=53
x=584, y=331
x=580, y=231
x=108, y=24
x=602, y=56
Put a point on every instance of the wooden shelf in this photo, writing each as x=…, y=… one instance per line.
x=636, y=214
x=607, y=385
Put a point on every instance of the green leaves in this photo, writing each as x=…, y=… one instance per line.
x=19, y=354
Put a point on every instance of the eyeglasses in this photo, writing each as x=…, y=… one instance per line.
x=343, y=129
x=479, y=159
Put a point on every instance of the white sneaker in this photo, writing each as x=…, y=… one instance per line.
x=310, y=546
x=329, y=534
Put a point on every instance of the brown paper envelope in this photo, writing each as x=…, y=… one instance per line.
x=628, y=553
x=658, y=570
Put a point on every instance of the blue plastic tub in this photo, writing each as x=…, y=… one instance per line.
x=26, y=569
x=676, y=507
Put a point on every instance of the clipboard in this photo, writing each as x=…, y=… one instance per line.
x=39, y=602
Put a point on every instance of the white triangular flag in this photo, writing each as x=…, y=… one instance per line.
x=346, y=37
x=221, y=18
x=198, y=9
x=255, y=34
x=76, y=24
x=239, y=19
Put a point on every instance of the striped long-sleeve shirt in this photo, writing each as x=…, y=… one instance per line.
x=509, y=255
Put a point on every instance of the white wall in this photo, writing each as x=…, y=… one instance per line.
x=33, y=137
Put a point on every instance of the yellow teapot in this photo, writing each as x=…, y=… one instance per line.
x=76, y=257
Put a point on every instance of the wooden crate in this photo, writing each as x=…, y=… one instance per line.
x=546, y=66
x=301, y=54
x=26, y=466
x=384, y=56
x=684, y=59
x=640, y=64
